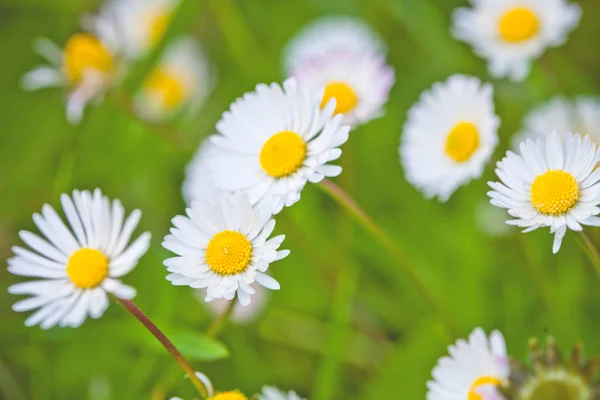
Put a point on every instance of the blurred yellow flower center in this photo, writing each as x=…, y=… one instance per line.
x=235, y=395
x=85, y=52
x=159, y=23
x=554, y=192
x=283, y=154
x=167, y=85
x=87, y=268
x=345, y=97
x=228, y=253
x=484, y=380
x=462, y=141
x=518, y=24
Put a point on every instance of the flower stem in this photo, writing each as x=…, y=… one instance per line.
x=139, y=314
x=592, y=252
x=340, y=196
x=221, y=320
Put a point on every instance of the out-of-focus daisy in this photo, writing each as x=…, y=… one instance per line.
x=197, y=184
x=86, y=68
x=241, y=314
x=274, y=140
x=182, y=79
x=223, y=246
x=471, y=366
x=550, y=183
x=271, y=393
x=449, y=136
x=78, y=264
x=563, y=116
x=491, y=220
x=511, y=33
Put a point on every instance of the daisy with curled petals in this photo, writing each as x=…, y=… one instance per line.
x=223, y=246
x=550, y=183
x=271, y=393
x=181, y=80
x=274, y=140
x=449, y=136
x=511, y=33
x=79, y=264
x=473, y=366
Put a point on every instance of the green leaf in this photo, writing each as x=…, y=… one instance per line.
x=196, y=346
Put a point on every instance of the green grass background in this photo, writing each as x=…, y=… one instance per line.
x=348, y=323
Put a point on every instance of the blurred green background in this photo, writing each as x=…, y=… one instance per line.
x=348, y=323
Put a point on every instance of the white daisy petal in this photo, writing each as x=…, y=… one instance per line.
x=272, y=393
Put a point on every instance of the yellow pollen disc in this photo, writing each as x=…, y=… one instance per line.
x=462, y=141
x=554, y=192
x=235, y=395
x=84, y=52
x=171, y=89
x=518, y=24
x=228, y=253
x=159, y=23
x=283, y=154
x=345, y=97
x=484, y=380
x=87, y=268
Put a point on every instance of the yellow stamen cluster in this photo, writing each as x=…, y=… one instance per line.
x=171, y=89
x=345, y=97
x=283, y=154
x=159, y=23
x=87, y=268
x=462, y=141
x=228, y=253
x=484, y=380
x=85, y=52
x=518, y=25
x=233, y=395
x=554, y=192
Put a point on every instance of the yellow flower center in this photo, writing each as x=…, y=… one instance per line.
x=159, y=22
x=84, y=52
x=518, y=24
x=345, y=97
x=283, y=154
x=554, y=192
x=462, y=141
x=228, y=253
x=234, y=395
x=171, y=89
x=484, y=380
x=87, y=268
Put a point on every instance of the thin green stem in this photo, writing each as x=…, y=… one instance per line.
x=592, y=252
x=170, y=347
x=222, y=319
x=355, y=211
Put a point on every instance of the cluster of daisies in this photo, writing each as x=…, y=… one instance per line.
x=275, y=140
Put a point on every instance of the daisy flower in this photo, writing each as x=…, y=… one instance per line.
x=223, y=246
x=563, y=116
x=449, y=136
x=471, y=367
x=79, y=264
x=197, y=184
x=87, y=67
x=274, y=140
x=511, y=33
x=181, y=80
x=271, y=393
x=550, y=183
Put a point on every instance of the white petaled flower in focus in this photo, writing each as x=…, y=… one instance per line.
x=87, y=67
x=223, y=246
x=272, y=393
x=550, y=184
x=472, y=367
x=274, y=140
x=564, y=116
x=79, y=264
x=449, y=136
x=181, y=80
x=511, y=33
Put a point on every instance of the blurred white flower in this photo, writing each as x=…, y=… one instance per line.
x=241, y=314
x=471, y=368
x=181, y=80
x=273, y=141
x=491, y=220
x=78, y=264
x=197, y=184
x=550, y=183
x=449, y=136
x=223, y=246
x=511, y=33
x=271, y=393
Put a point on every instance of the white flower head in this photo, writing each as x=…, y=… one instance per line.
x=449, y=136
x=79, y=264
x=273, y=141
x=471, y=367
x=182, y=79
x=272, y=393
x=330, y=35
x=511, y=33
x=223, y=246
x=564, y=116
x=550, y=183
